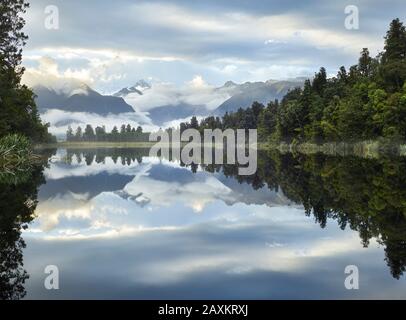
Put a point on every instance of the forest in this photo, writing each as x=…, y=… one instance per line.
x=365, y=102
x=100, y=134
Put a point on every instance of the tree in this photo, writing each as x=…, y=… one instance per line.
x=89, y=135
x=18, y=112
x=194, y=124
x=257, y=109
x=320, y=81
x=122, y=130
x=342, y=75
x=100, y=133
x=69, y=134
x=114, y=133
x=268, y=121
x=393, y=68
x=365, y=63
x=78, y=134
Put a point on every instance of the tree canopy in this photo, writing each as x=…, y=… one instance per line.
x=366, y=102
x=18, y=112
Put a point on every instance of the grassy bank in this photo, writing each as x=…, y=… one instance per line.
x=16, y=157
x=366, y=149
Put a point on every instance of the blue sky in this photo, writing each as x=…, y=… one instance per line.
x=112, y=44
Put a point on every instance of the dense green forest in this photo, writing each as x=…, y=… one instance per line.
x=368, y=101
x=125, y=134
x=18, y=112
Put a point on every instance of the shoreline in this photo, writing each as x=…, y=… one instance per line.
x=366, y=149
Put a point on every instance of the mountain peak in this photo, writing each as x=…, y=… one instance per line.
x=142, y=84
x=229, y=84
x=139, y=87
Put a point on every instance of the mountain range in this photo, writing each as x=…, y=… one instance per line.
x=233, y=97
x=81, y=99
x=243, y=95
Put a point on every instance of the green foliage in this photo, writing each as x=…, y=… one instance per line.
x=366, y=103
x=99, y=134
x=18, y=112
x=16, y=158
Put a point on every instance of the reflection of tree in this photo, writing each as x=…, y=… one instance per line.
x=17, y=205
x=367, y=195
x=124, y=156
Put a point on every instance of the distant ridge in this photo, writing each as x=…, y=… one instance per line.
x=80, y=99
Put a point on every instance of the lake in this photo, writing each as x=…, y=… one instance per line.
x=119, y=224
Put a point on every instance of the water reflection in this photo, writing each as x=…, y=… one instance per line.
x=18, y=200
x=123, y=225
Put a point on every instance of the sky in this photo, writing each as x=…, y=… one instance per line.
x=112, y=44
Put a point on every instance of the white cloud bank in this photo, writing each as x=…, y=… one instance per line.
x=196, y=92
x=61, y=120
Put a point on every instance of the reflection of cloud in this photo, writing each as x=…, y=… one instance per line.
x=157, y=186
x=172, y=258
x=51, y=211
x=196, y=194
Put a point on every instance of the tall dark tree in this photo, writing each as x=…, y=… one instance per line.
x=320, y=81
x=393, y=67
x=78, y=134
x=89, y=135
x=18, y=112
x=365, y=63
x=194, y=124
x=69, y=134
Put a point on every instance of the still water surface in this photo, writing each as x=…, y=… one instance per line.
x=119, y=224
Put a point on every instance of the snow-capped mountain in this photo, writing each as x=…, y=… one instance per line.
x=167, y=103
x=79, y=99
x=139, y=88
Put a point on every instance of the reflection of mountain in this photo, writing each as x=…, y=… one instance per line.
x=243, y=192
x=82, y=99
x=91, y=185
x=364, y=194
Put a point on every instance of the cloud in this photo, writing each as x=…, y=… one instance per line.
x=195, y=92
x=61, y=120
x=174, y=40
x=47, y=74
